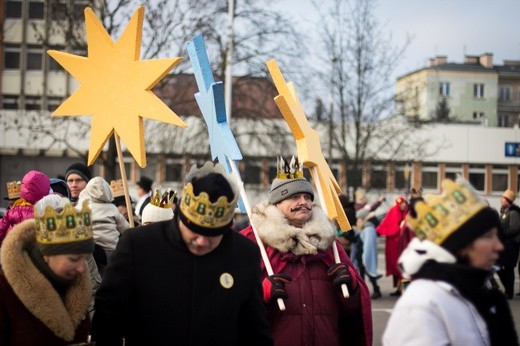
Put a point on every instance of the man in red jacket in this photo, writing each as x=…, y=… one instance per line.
x=298, y=238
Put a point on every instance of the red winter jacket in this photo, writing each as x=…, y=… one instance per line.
x=316, y=313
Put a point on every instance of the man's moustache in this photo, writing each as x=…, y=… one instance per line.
x=300, y=208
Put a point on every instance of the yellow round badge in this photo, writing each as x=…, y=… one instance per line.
x=226, y=280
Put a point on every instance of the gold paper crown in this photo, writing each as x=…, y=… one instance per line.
x=164, y=201
x=68, y=226
x=13, y=189
x=441, y=215
x=200, y=210
x=288, y=169
x=117, y=188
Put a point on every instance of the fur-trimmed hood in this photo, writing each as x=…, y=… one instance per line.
x=35, y=292
x=275, y=231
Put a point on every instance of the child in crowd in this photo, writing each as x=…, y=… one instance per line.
x=35, y=185
x=107, y=221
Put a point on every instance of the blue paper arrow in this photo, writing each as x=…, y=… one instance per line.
x=210, y=99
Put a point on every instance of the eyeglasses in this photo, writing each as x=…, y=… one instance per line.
x=77, y=181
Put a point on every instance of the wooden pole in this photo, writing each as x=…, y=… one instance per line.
x=265, y=258
x=123, y=178
x=314, y=169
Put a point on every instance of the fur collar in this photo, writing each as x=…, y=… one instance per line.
x=36, y=292
x=275, y=231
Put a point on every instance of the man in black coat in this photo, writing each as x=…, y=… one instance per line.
x=510, y=237
x=186, y=281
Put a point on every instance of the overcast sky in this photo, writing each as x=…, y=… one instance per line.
x=443, y=27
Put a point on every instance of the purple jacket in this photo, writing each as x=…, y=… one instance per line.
x=35, y=186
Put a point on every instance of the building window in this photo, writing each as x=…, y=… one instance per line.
x=53, y=102
x=79, y=11
x=150, y=170
x=128, y=167
x=444, y=89
x=502, y=120
x=36, y=10
x=477, y=177
x=453, y=171
x=429, y=180
x=10, y=102
x=34, y=61
x=13, y=9
x=32, y=103
x=505, y=93
x=499, y=179
x=12, y=59
x=53, y=64
x=478, y=90
x=58, y=11
x=378, y=177
x=272, y=173
x=251, y=173
x=479, y=115
x=173, y=171
x=400, y=181
x=430, y=177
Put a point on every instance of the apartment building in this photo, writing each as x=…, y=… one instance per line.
x=475, y=91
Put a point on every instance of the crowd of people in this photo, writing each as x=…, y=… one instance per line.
x=73, y=271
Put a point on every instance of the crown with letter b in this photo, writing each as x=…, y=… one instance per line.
x=70, y=225
x=199, y=210
x=441, y=215
x=203, y=213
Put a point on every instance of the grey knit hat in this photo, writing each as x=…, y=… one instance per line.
x=282, y=189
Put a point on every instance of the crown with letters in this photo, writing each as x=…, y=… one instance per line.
x=165, y=200
x=13, y=189
x=68, y=226
x=199, y=209
x=288, y=169
x=117, y=188
x=441, y=215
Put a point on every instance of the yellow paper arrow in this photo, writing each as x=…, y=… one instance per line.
x=308, y=145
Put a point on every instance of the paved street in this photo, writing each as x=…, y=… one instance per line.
x=382, y=307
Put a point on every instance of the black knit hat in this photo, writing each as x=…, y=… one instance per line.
x=481, y=223
x=80, y=169
x=145, y=183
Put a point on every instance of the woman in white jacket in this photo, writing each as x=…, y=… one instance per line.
x=107, y=222
x=449, y=301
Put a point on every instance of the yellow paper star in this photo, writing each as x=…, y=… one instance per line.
x=115, y=86
x=308, y=145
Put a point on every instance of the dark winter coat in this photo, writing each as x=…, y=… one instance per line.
x=156, y=292
x=31, y=311
x=510, y=235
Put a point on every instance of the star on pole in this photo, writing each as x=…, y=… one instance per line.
x=210, y=99
x=115, y=86
x=308, y=145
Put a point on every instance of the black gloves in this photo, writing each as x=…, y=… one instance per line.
x=341, y=275
x=274, y=287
